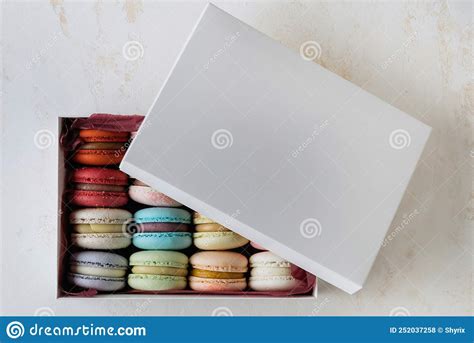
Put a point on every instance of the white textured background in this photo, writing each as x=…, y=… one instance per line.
x=65, y=59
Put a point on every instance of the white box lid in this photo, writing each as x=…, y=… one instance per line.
x=278, y=149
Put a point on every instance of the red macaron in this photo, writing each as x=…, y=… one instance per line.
x=99, y=187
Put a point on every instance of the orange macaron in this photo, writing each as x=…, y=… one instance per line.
x=100, y=154
x=101, y=148
x=91, y=136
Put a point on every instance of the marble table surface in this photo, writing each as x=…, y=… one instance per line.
x=71, y=58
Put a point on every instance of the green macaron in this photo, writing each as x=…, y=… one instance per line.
x=158, y=270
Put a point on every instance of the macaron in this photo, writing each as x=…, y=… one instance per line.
x=218, y=271
x=270, y=272
x=99, y=187
x=98, y=270
x=146, y=195
x=152, y=223
x=163, y=215
x=91, y=136
x=100, y=228
x=210, y=235
x=158, y=270
x=100, y=153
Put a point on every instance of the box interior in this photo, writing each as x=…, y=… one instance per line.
x=64, y=290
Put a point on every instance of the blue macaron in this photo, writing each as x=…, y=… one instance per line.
x=162, y=215
x=162, y=240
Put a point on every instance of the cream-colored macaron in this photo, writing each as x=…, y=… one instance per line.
x=218, y=240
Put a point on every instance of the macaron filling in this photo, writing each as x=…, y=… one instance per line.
x=97, y=271
x=92, y=135
x=163, y=227
x=102, y=146
x=209, y=274
x=159, y=270
x=100, y=283
x=98, y=228
x=99, y=187
x=218, y=268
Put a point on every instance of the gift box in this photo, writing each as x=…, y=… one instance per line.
x=278, y=149
x=70, y=144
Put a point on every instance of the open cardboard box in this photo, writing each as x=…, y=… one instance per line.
x=278, y=149
x=69, y=128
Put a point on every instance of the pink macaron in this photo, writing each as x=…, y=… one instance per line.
x=146, y=195
x=99, y=187
x=218, y=271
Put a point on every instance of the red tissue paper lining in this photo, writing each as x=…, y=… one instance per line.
x=98, y=121
x=131, y=123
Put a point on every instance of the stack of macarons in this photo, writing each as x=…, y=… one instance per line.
x=213, y=269
x=101, y=148
x=162, y=228
x=218, y=271
x=99, y=191
x=210, y=235
x=159, y=230
x=270, y=273
x=98, y=270
x=158, y=270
